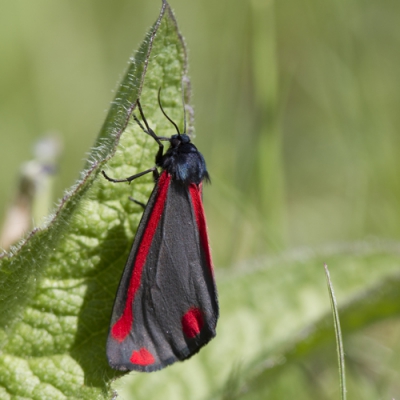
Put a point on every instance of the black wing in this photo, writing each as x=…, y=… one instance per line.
x=166, y=306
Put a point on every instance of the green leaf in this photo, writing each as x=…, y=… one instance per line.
x=275, y=314
x=291, y=296
x=57, y=286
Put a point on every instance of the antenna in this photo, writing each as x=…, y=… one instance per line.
x=184, y=106
x=165, y=115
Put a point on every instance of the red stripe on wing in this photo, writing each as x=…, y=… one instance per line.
x=195, y=194
x=122, y=327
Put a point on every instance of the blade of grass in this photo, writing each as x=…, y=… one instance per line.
x=338, y=335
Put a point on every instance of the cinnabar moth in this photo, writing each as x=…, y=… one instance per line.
x=166, y=307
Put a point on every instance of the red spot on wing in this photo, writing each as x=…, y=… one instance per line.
x=192, y=322
x=142, y=357
x=122, y=327
x=195, y=194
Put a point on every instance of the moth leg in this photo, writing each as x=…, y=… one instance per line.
x=156, y=175
x=131, y=178
x=137, y=202
x=150, y=132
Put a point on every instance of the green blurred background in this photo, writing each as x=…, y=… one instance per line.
x=296, y=106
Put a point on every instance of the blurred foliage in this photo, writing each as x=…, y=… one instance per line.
x=296, y=113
